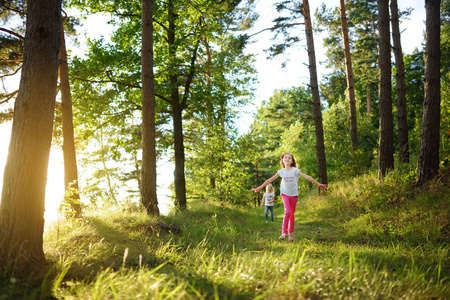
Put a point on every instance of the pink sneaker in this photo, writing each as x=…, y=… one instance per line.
x=291, y=238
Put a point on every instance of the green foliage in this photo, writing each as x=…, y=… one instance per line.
x=282, y=124
x=300, y=140
x=217, y=167
x=12, y=16
x=107, y=84
x=414, y=77
x=342, y=160
x=394, y=210
x=66, y=207
x=286, y=25
x=333, y=87
x=12, y=22
x=445, y=80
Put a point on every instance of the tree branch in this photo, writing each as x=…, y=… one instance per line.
x=11, y=74
x=9, y=97
x=162, y=98
x=109, y=81
x=276, y=27
x=114, y=116
x=12, y=33
x=190, y=77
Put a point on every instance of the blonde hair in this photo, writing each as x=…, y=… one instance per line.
x=293, y=164
x=269, y=188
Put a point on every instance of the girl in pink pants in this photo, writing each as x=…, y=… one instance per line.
x=289, y=191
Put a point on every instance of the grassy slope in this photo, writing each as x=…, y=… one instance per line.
x=363, y=240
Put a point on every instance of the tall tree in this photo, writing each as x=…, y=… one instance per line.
x=403, y=144
x=282, y=23
x=25, y=175
x=386, y=138
x=320, y=144
x=178, y=104
x=428, y=164
x=350, y=81
x=69, y=154
x=148, y=169
x=213, y=158
x=445, y=77
x=364, y=15
x=184, y=45
x=363, y=39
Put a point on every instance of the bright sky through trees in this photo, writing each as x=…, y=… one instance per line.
x=270, y=74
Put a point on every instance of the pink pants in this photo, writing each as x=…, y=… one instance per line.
x=289, y=209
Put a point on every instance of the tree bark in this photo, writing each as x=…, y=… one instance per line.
x=177, y=111
x=403, y=144
x=350, y=81
x=69, y=154
x=320, y=144
x=386, y=131
x=148, y=170
x=368, y=99
x=25, y=175
x=428, y=165
x=179, y=178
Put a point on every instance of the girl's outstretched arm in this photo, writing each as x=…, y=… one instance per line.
x=259, y=188
x=309, y=178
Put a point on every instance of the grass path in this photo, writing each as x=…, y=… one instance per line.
x=350, y=244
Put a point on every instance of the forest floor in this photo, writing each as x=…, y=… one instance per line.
x=361, y=240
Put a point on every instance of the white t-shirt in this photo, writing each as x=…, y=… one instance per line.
x=289, y=182
x=269, y=197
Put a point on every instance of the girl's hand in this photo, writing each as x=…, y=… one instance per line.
x=256, y=190
x=323, y=186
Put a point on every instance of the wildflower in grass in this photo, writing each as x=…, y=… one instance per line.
x=125, y=255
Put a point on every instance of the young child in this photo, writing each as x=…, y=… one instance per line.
x=269, y=198
x=289, y=191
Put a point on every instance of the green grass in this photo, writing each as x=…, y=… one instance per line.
x=362, y=240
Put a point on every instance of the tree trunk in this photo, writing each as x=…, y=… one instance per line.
x=25, y=175
x=103, y=158
x=179, y=179
x=210, y=113
x=428, y=165
x=148, y=170
x=403, y=145
x=320, y=145
x=69, y=154
x=177, y=115
x=350, y=81
x=386, y=134
x=368, y=99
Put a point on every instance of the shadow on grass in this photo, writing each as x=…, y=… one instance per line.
x=143, y=239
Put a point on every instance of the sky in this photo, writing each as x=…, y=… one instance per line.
x=270, y=75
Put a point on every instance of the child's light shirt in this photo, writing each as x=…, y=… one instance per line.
x=289, y=182
x=269, y=197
